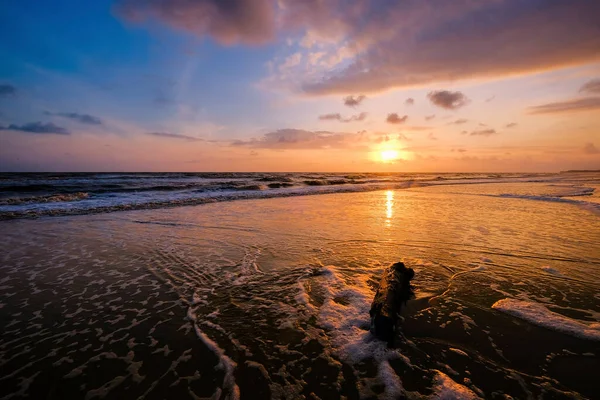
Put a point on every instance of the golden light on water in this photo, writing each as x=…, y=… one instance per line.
x=389, y=204
x=389, y=155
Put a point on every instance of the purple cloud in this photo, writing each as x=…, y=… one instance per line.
x=174, y=136
x=338, y=117
x=592, y=86
x=81, y=118
x=302, y=140
x=354, y=101
x=228, y=22
x=448, y=100
x=394, y=118
x=38, y=128
x=584, y=104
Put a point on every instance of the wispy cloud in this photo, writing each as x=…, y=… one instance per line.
x=410, y=101
x=459, y=122
x=511, y=125
x=394, y=118
x=81, y=118
x=303, y=140
x=174, y=136
x=338, y=117
x=447, y=99
x=7, y=90
x=354, y=101
x=429, y=117
x=592, y=86
x=38, y=128
x=584, y=104
x=228, y=22
x=484, y=132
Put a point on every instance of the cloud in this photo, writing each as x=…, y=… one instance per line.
x=592, y=86
x=484, y=132
x=589, y=148
x=302, y=140
x=415, y=43
x=458, y=150
x=354, y=101
x=82, y=118
x=583, y=104
x=448, y=100
x=38, y=128
x=228, y=22
x=431, y=136
x=392, y=44
x=511, y=125
x=7, y=90
x=338, y=117
x=393, y=118
x=174, y=136
x=429, y=117
x=402, y=136
x=490, y=98
x=459, y=122
x=410, y=101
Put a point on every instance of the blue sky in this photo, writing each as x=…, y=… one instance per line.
x=203, y=85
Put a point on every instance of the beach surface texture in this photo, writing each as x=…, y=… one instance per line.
x=258, y=286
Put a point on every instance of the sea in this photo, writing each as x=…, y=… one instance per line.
x=259, y=285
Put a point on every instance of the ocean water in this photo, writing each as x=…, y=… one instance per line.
x=268, y=296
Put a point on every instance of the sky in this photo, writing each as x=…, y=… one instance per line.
x=300, y=85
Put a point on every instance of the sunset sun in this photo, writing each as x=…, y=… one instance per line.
x=389, y=155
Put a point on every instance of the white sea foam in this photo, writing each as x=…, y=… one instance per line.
x=538, y=314
x=348, y=323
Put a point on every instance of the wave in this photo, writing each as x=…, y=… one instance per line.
x=55, y=198
x=25, y=195
x=207, y=197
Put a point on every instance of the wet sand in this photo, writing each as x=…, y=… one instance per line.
x=269, y=299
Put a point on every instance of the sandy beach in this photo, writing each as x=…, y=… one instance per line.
x=269, y=298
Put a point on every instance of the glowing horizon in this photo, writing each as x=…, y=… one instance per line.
x=274, y=86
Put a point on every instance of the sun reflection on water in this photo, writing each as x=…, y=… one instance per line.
x=389, y=204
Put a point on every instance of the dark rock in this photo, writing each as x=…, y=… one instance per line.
x=393, y=292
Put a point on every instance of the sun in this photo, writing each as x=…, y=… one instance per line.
x=389, y=155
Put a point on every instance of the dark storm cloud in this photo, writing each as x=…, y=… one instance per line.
x=81, y=118
x=447, y=99
x=394, y=118
x=338, y=117
x=37, y=128
x=584, y=104
x=173, y=136
x=354, y=101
